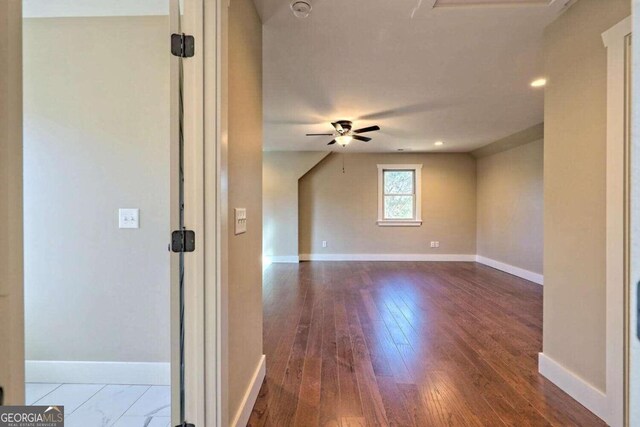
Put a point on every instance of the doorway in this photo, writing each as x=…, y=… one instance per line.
x=97, y=215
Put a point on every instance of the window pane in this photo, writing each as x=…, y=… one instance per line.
x=398, y=182
x=398, y=207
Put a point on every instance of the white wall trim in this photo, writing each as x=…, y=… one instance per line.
x=267, y=260
x=616, y=176
x=89, y=8
x=290, y=259
x=387, y=257
x=83, y=372
x=516, y=271
x=586, y=394
x=244, y=411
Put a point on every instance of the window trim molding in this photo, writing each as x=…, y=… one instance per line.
x=417, y=221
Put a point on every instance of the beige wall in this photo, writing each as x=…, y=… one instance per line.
x=96, y=139
x=574, y=187
x=342, y=208
x=634, y=339
x=245, y=191
x=11, y=271
x=280, y=173
x=510, y=206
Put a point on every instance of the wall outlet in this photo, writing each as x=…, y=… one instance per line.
x=435, y=244
x=324, y=243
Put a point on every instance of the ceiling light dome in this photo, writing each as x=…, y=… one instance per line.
x=344, y=139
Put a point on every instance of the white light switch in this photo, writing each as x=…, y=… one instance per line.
x=128, y=218
x=240, y=220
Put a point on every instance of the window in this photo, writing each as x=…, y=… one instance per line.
x=399, y=201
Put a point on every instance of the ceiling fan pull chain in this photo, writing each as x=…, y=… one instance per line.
x=342, y=162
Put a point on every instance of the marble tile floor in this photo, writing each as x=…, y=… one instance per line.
x=101, y=405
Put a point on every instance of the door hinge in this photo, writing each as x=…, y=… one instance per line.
x=183, y=241
x=186, y=424
x=183, y=45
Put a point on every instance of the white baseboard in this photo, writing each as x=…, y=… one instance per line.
x=586, y=394
x=289, y=259
x=516, y=271
x=387, y=257
x=81, y=372
x=246, y=406
x=267, y=260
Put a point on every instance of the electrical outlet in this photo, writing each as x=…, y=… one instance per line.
x=435, y=244
x=324, y=243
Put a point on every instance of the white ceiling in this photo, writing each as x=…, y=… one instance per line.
x=460, y=75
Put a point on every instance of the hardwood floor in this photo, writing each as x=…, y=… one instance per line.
x=405, y=344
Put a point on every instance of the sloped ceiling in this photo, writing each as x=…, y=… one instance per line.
x=460, y=75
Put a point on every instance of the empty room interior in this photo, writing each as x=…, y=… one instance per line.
x=319, y=213
x=434, y=212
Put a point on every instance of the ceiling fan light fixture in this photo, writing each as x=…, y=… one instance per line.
x=344, y=139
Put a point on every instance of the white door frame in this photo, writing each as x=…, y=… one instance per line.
x=633, y=343
x=615, y=40
x=215, y=210
x=204, y=161
x=205, y=201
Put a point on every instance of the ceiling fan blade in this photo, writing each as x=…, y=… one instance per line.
x=332, y=142
x=361, y=138
x=319, y=134
x=367, y=129
x=338, y=127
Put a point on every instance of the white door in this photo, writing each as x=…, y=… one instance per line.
x=11, y=258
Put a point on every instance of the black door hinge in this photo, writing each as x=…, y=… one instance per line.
x=182, y=45
x=186, y=424
x=183, y=241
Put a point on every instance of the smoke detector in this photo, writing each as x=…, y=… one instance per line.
x=301, y=8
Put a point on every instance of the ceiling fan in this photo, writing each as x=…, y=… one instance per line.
x=343, y=134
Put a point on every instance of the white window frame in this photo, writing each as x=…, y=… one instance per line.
x=417, y=173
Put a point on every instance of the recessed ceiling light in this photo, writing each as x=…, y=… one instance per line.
x=438, y=143
x=539, y=83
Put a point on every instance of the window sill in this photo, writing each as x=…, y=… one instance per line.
x=390, y=223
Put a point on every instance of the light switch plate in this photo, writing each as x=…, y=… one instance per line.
x=240, y=220
x=129, y=218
